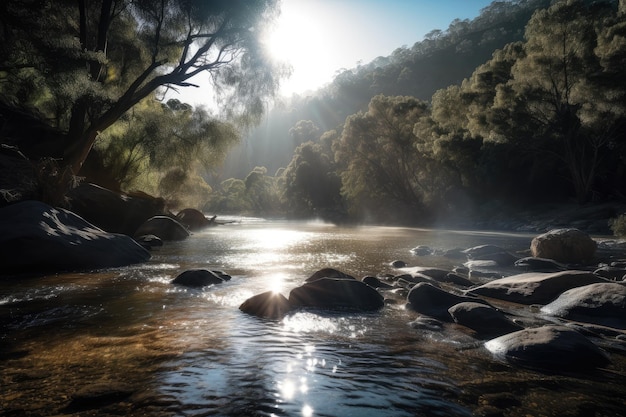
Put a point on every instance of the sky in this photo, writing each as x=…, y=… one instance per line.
x=317, y=38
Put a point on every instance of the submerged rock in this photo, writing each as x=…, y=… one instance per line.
x=431, y=301
x=336, y=294
x=269, y=305
x=485, y=320
x=603, y=304
x=164, y=227
x=564, y=245
x=535, y=264
x=548, y=347
x=197, y=278
x=38, y=238
x=535, y=287
x=194, y=219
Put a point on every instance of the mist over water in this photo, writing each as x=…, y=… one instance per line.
x=178, y=351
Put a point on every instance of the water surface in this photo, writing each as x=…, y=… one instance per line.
x=127, y=342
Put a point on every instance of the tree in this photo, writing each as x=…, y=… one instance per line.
x=385, y=167
x=89, y=62
x=312, y=186
x=552, y=104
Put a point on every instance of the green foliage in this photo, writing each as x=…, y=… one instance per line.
x=86, y=63
x=618, y=225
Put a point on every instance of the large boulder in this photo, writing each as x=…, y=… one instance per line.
x=112, y=211
x=548, y=347
x=163, y=227
x=270, y=305
x=431, y=301
x=535, y=287
x=603, y=304
x=485, y=320
x=35, y=237
x=194, y=219
x=564, y=245
x=336, y=294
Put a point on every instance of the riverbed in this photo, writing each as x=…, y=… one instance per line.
x=126, y=341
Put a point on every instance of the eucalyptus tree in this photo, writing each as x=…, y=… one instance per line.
x=384, y=165
x=89, y=62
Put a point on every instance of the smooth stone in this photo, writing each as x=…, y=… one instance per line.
x=164, y=227
x=535, y=287
x=548, y=347
x=431, y=301
x=270, y=305
x=328, y=273
x=485, y=320
x=564, y=245
x=197, y=278
x=603, y=304
x=336, y=294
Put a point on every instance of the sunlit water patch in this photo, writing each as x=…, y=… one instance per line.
x=188, y=352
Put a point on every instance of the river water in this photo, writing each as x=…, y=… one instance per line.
x=127, y=342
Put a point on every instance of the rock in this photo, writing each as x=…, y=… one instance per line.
x=603, y=304
x=422, y=251
x=534, y=264
x=426, y=323
x=431, y=301
x=491, y=253
x=194, y=219
x=269, y=305
x=548, y=347
x=222, y=274
x=434, y=273
x=197, y=278
x=485, y=320
x=149, y=241
x=564, y=245
x=455, y=279
x=611, y=272
x=336, y=294
x=328, y=273
x=535, y=287
x=112, y=211
x=398, y=264
x=376, y=283
x=164, y=227
x=38, y=238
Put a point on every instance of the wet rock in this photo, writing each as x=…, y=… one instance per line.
x=38, y=238
x=434, y=273
x=269, y=305
x=99, y=395
x=422, y=251
x=485, y=320
x=431, y=301
x=221, y=274
x=548, y=347
x=455, y=279
x=535, y=287
x=112, y=211
x=426, y=323
x=197, y=278
x=376, y=283
x=149, y=242
x=328, y=273
x=164, y=227
x=194, y=219
x=534, y=264
x=564, y=245
x=611, y=272
x=336, y=294
x=398, y=264
x=603, y=304
x=477, y=252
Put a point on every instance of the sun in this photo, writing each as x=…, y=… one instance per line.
x=299, y=40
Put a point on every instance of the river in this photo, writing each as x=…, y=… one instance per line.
x=126, y=341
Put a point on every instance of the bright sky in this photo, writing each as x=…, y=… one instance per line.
x=319, y=37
